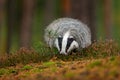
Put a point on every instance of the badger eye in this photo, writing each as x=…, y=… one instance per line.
x=70, y=40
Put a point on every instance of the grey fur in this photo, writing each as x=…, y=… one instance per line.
x=77, y=29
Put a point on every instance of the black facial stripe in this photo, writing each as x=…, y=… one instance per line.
x=60, y=42
x=69, y=41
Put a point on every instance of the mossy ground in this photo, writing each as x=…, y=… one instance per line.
x=100, y=61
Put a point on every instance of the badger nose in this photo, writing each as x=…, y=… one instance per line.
x=62, y=52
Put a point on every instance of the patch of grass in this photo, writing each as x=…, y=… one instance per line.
x=116, y=61
x=27, y=67
x=101, y=49
x=41, y=53
x=53, y=69
x=3, y=71
x=48, y=64
x=112, y=58
x=69, y=75
x=37, y=70
x=12, y=70
x=23, y=56
x=114, y=73
x=94, y=64
x=41, y=48
x=98, y=69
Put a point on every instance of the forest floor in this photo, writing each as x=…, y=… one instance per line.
x=101, y=61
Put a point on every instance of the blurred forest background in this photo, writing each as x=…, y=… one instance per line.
x=22, y=22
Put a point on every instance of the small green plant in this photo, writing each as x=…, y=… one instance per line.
x=13, y=71
x=27, y=67
x=112, y=58
x=3, y=71
x=48, y=64
x=40, y=47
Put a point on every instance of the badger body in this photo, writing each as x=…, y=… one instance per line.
x=67, y=34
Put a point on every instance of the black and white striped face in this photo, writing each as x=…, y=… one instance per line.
x=66, y=43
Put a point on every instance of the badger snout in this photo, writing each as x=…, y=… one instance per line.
x=63, y=52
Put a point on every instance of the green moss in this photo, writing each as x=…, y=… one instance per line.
x=13, y=71
x=3, y=71
x=114, y=73
x=116, y=62
x=37, y=70
x=27, y=67
x=69, y=75
x=94, y=64
x=53, y=69
x=112, y=58
x=48, y=64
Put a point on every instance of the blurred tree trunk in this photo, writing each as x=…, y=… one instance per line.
x=92, y=17
x=80, y=10
x=2, y=5
x=108, y=18
x=49, y=12
x=2, y=9
x=26, y=23
x=10, y=22
x=2, y=19
x=84, y=10
x=66, y=8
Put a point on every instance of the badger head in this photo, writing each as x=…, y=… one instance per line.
x=66, y=43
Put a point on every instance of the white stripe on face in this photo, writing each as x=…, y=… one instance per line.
x=64, y=43
x=73, y=45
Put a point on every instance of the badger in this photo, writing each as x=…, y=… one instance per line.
x=67, y=34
